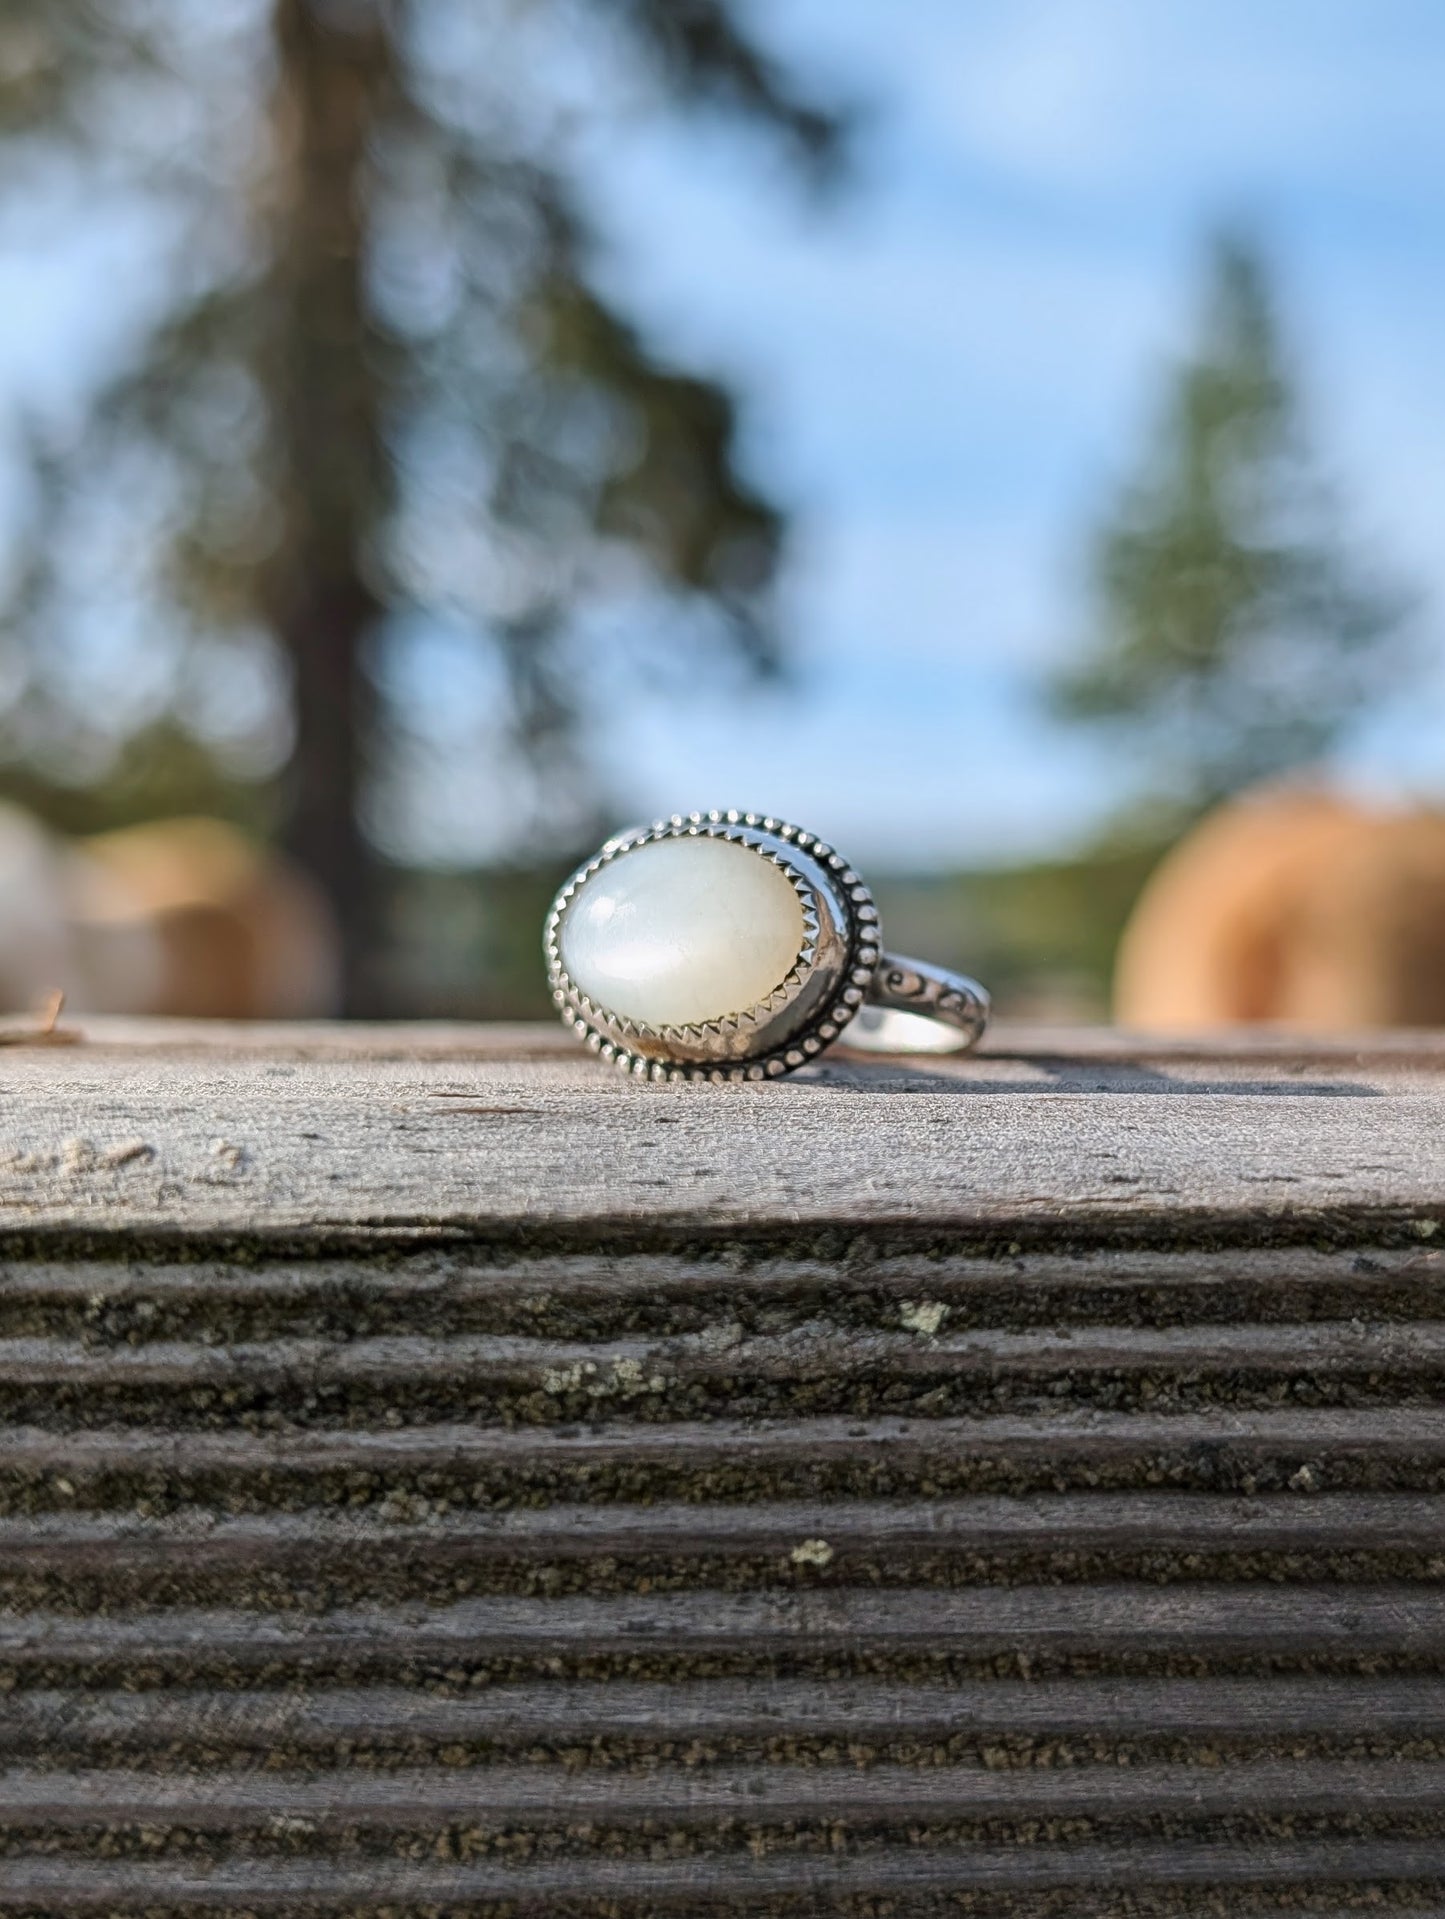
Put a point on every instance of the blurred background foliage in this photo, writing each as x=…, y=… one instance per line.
x=1238, y=634
x=379, y=390
x=379, y=385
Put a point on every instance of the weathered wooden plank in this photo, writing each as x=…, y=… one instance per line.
x=61, y=1885
x=306, y=1335
x=626, y=1368
x=832, y=1530
x=506, y=1796
x=1412, y=1433
x=1258, y=1709
x=1098, y=1055
x=295, y=1138
x=470, y=1280
x=1200, y=1619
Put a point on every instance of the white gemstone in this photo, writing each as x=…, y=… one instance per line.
x=683, y=930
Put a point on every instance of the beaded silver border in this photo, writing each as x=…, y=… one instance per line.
x=616, y=1039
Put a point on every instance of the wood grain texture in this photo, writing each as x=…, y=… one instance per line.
x=306, y=1135
x=440, y=1476
x=903, y=1530
x=790, y=1885
x=1232, y=1620
x=227, y=1801
x=748, y=1713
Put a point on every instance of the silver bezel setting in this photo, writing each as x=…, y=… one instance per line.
x=807, y=1010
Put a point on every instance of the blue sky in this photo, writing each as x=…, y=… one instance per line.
x=952, y=370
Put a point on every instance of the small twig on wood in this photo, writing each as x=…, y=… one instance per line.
x=48, y=1032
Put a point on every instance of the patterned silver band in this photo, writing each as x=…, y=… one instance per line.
x=904, y=993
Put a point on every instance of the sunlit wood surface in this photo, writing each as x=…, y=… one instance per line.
x=437, y=1474
x=305, y=1130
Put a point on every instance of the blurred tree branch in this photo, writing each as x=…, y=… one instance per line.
x=385, y=385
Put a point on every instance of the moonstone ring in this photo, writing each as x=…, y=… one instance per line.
x=727, y=946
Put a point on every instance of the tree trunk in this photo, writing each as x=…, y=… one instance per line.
x=332, y=72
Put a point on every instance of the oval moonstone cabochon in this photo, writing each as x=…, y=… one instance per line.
x=679, y=931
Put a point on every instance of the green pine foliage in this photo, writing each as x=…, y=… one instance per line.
x=1238, y=634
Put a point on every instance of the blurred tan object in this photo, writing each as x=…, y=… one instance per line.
x=1299, y=907
x=182, y=917
x=190, y=918
x=37, y=957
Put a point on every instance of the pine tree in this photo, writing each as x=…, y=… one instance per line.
x=1237, y=635
x=383, y=387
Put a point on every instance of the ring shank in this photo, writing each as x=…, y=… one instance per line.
x=909, y=1002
